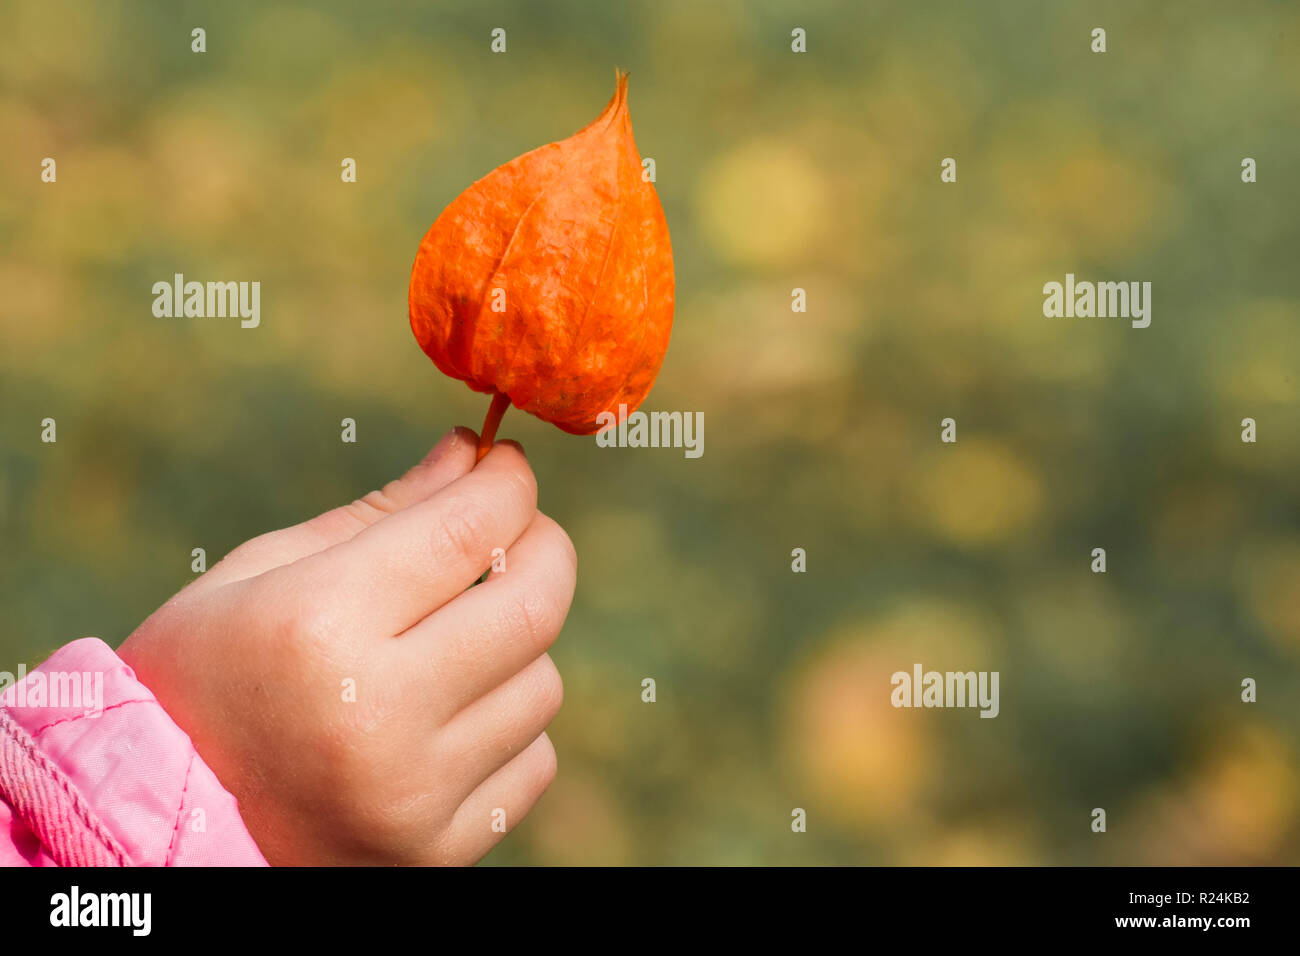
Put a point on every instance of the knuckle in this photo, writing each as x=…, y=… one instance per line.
x=547, y=764
x=339, y=522
x=537, y=616
x=370, y=507
x=281, y=625
x=526, y=483
x=548, y=690
x=523, y=483
x=252, y=548
x=396, y=816
x=461, y=532
x=315, y=632
x=349, y=767
x=310, y=641
x=387, y=814
x=559, y=539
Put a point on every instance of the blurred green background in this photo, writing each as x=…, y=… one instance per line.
x=776, y=171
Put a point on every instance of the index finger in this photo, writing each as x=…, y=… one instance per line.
x=410, y=563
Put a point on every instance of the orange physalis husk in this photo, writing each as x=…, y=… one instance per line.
x=549, y=282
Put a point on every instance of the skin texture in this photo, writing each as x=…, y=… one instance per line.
x=576, y=240
x=454, y=687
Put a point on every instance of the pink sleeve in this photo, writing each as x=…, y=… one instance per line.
x=94, y=773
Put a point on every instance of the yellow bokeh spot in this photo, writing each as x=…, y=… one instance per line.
x=976, y=492
x=1237, y=806
x=764, y=203
x=1052, y=161
x=1249, y=792
x=865, y=761
x=1256, y=355
x=1271, y=581
x=578, y=824
x=744, y=339
x=996, y=843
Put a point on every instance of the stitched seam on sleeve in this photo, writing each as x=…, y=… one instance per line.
x=68, y=720
x=167, y=860
x=45, y=799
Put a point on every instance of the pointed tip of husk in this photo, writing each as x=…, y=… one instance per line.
x=620, y=89
x=617, y=105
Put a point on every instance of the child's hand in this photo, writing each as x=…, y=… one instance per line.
x=342, y=683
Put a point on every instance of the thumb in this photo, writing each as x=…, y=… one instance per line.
x=451, y=458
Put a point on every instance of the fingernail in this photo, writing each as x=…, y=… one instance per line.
x=445, y=444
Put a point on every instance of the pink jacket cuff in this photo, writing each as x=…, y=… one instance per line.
x=94, y=773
